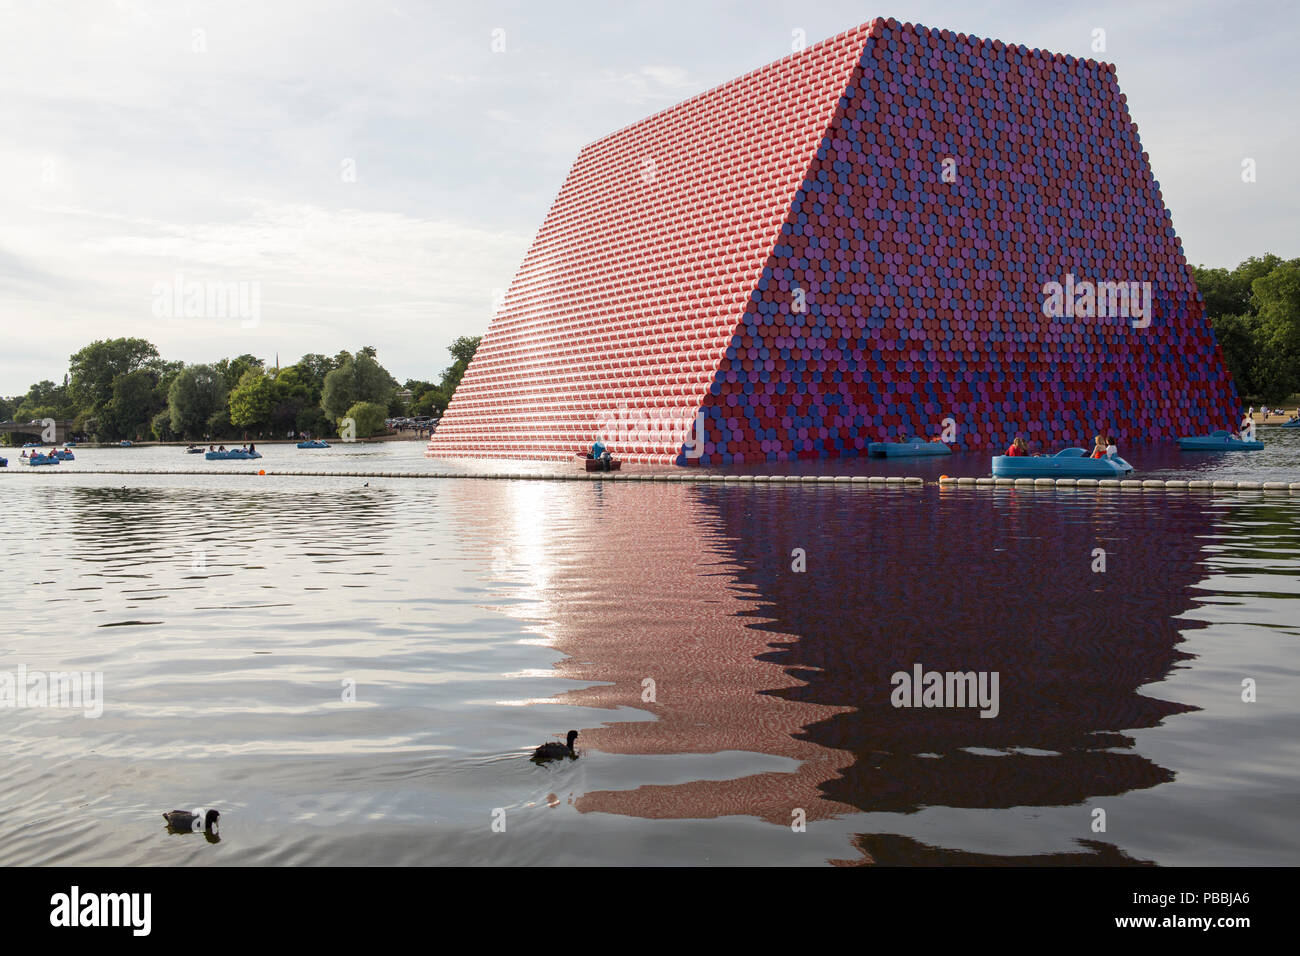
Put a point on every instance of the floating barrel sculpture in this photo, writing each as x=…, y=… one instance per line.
x=897, y=231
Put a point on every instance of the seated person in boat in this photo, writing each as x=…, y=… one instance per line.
x=601, y=454
x=1112, y=450
x=1019, y=448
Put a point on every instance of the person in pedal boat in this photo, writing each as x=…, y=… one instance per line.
x=601, y=454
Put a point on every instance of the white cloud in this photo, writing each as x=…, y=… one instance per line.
x=661, y=85
x=329, y=279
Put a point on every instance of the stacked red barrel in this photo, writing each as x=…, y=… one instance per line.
x=853, y=244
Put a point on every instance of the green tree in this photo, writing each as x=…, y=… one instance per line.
x=418, y=388
x=462, y=350
x=290, y=394
x=1273, y=375
x=313, y=421
x=1254, y=310
x=1276, y=297
x=1277, y=302
x=369, y=418
x=166, y=372
x=340, y=392
x=44, y=400
x=432, y=401
x=130, y=411
x=1228, y=291
x=251, y=400
x=219, y=423
x=233, y=369
x=162, y=426
x=85, y=423
x=93, y=370
x=357, y=379
x=313, y=368
x=196, y=394
x=1236, y=335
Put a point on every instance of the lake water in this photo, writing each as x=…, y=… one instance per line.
x=478, y=619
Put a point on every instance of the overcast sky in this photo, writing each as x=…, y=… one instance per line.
x=216, y=141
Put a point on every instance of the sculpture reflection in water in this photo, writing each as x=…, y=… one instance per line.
x=694, y=587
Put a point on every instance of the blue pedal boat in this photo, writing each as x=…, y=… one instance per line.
x=229, y=455
x=1218, y=441
x=1068, y=463
x=911, y=448
x=314, y=443
x=65, y=455
x=39, y=460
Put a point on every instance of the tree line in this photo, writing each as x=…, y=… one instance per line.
x=124, y=389
x=1255, y=312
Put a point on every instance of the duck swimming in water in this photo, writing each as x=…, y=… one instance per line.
x=185, y=821
x=555, y=751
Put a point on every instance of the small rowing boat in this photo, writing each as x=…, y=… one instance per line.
x=1068, y=463
x=601, y=464
x=1218, y=441
x=229, y=455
